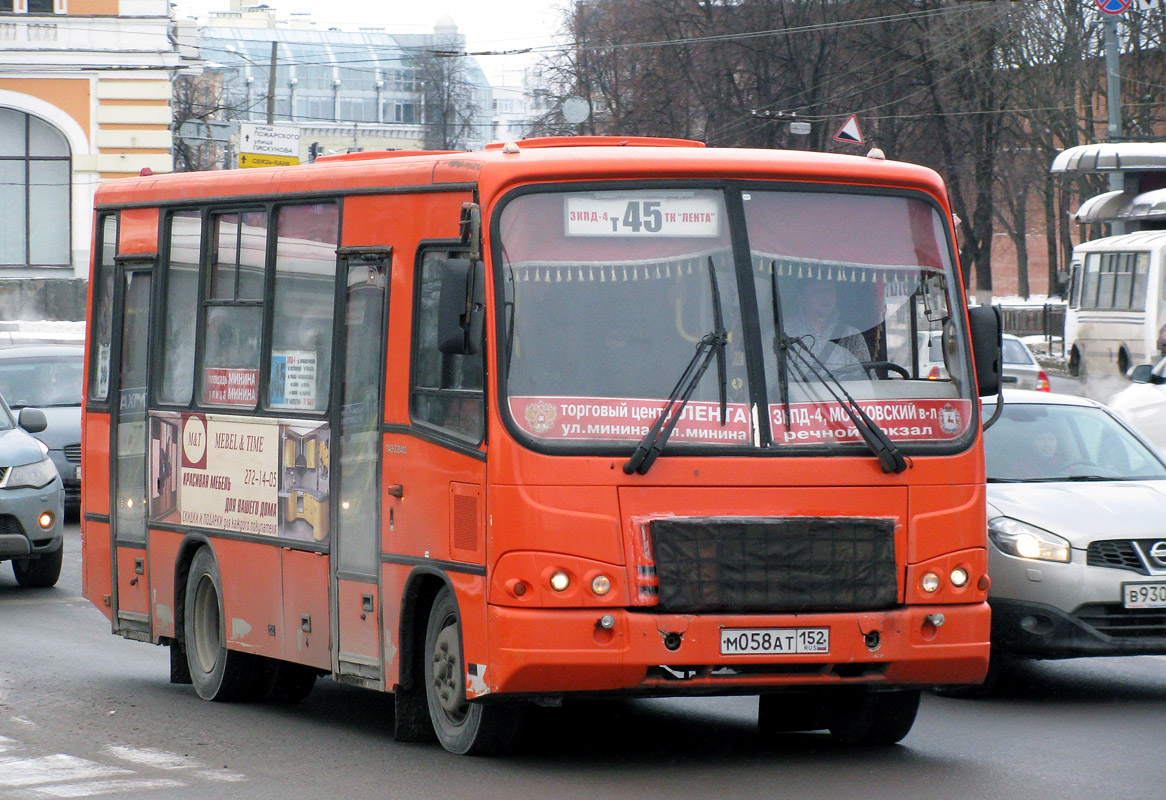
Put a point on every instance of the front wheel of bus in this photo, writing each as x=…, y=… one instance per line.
x=462, y=727
x=216, y=672
x=863, y=717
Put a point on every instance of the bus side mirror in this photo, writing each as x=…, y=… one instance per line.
x=1141, y=373
x=987, y=329
x=461, y=307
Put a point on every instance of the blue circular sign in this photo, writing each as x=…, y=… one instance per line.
x=1113, y=6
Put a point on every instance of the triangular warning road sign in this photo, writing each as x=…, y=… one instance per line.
x=849, y=132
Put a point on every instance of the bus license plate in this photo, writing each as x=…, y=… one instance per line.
x=1143, y=595
x=774, y=641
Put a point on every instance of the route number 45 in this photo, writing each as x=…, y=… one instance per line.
x=640, y=215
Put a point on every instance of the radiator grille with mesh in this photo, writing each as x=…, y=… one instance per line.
x=774, y=564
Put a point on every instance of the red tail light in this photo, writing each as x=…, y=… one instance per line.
x=934, y=374
x=1042, y=382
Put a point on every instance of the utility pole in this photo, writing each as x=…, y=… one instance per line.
x=271, y=84
x=1113, y=102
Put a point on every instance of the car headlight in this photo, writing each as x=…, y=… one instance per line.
x=31, y=476
x=1022, y=540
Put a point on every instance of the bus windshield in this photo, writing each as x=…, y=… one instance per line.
x=608, y=294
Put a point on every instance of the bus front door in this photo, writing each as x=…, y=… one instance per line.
x=357, y=543
x=130, y=437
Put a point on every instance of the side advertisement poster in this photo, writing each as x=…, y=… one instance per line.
x=264, y=477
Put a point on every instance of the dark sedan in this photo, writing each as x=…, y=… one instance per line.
x=49, y=377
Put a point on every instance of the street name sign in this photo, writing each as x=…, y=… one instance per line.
x=268, y=145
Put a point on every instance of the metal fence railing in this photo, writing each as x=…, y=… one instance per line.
x=1046, y=320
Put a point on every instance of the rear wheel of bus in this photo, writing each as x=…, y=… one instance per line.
x=461, y=726
x=216, y=672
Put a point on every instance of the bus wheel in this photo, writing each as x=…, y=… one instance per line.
x=862, y=717
x=788, y=712
x=291, y=683
x=462, y=727
x=216, y=672
x=1123, y=362
x=1075, y=369
x=38, y=573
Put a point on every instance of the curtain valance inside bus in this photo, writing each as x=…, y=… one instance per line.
x=827, y=227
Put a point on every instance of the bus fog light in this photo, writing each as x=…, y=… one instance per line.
x=959, y=577
x=46, y=520
x=560, y=581
x=930, y=582
x=601, y=585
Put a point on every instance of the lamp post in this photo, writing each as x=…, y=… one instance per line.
x=270, y=79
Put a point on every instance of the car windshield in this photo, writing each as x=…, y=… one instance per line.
x=1033, y=442
x=41, y=382
x=608, y=294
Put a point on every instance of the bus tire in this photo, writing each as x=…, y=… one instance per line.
x=39, y=573
x=217, y=673
x=462, y=727
x=859, y=716
x=1076, y=369
x=291, y=683
x=792, y=711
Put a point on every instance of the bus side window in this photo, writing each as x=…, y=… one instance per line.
x=102, y=313
x=234, y=314
x=305, y=283
x=447, y=389
x=181, y=276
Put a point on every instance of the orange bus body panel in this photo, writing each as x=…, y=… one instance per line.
x=163, y=548
x=97, y=566
x=308, y=638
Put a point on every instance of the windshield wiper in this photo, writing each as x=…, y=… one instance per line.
x=780, y=343
x=890, y=458
x=712, y=343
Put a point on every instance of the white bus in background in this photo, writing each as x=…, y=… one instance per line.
x=1116, y=317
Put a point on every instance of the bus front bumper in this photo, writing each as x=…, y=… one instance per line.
x=547, y=651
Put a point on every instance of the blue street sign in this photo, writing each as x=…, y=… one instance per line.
x=1113, y=6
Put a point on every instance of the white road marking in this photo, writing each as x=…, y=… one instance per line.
x=161, y=759
x=94, y=788
x=151, y=757
x=53, y=769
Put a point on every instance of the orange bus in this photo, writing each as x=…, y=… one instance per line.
x=564, y=417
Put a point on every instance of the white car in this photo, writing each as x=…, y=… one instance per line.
x=1143, y=402
x=1077, y=553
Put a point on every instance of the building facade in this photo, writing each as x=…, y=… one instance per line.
x=85, y=96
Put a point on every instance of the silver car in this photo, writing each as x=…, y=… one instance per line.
x=1077, y=525
x=1021, y=369
x=32, y=501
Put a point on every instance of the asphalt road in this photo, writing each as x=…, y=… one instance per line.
x=87, y=714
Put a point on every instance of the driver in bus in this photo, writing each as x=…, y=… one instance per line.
x=817, y=321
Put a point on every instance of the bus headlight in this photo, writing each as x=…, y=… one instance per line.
x=1022, y=540
x=929, y=582
x=31, y=476
x=560, y=581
